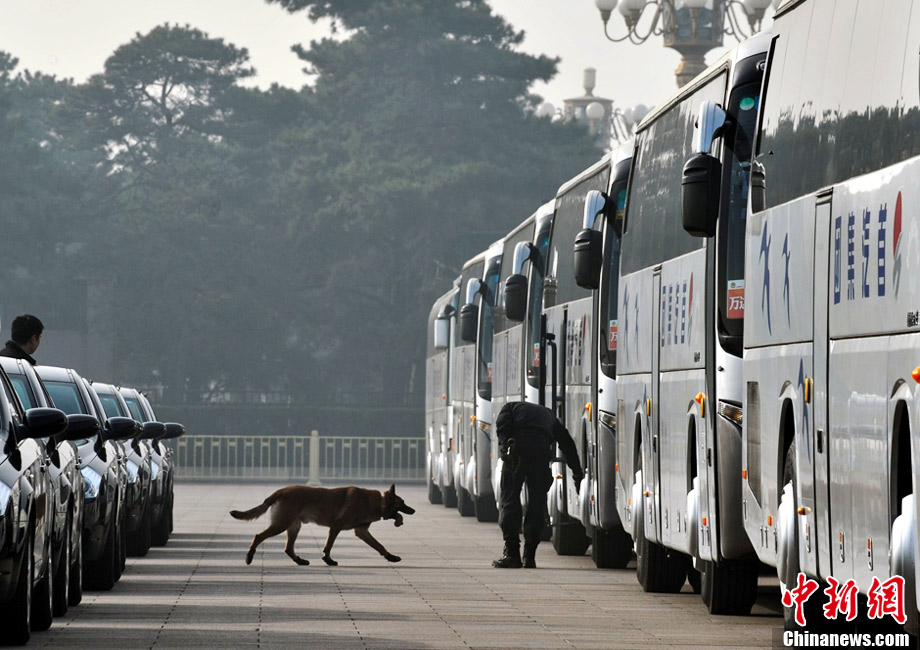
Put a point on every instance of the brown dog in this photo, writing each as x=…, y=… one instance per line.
x=339, y=509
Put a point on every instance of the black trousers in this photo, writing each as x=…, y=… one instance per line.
x=534, y=472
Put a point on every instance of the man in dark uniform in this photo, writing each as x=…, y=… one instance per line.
x=26, y=336
x=526, y=433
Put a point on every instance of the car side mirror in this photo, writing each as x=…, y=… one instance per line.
x=173, y=430
x=80, y=426
x=153, y=430
x=121, y=428
x=43, y=422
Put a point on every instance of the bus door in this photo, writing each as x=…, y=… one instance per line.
x=652, y=406
x=817, y=493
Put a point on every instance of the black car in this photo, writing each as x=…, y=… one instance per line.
x=66, y=481
x=103, y=477
x=26, y=515
x=161, y=502
x=138, y=462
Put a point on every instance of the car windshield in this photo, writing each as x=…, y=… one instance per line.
x=135, y=409
x=24, y=391
x=110, y=404
x=66, y=397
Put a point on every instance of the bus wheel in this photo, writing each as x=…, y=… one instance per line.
x=464, y=503
x=569, y=536
x=729, y=588
x=449, y=496
x=486, y=509
x=695, y=578
x=434, y=492
x=611, y=549
x=658, y=569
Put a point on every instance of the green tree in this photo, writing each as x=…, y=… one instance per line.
x=426, y=150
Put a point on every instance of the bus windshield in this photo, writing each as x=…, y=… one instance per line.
x=486, y=323
x=743, y=109
x=535, y=305
x=610, y=278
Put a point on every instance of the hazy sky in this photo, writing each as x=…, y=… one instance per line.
x=73, y=39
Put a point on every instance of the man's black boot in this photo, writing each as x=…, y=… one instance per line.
x=510, y=559
x=530, y=554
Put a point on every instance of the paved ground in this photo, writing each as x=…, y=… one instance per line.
x=197, y=592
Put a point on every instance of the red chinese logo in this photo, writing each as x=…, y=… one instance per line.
x=887, y=598
x=841, y=599
x=799, y=596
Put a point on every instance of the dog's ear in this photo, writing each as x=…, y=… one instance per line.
x=392, y=489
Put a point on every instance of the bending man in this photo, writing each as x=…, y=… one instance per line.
x=526, y=433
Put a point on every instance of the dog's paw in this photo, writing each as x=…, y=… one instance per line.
x=328, y=560
x=302, y=562
x=392, y=558
x=250, y=555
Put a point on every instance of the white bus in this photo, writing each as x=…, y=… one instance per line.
x=597, y=268
x=679, y=387
x=507, y=345
x=477, y=321
x=463, y=400
x=437, y=400
x=569, y=316
x=831, y=341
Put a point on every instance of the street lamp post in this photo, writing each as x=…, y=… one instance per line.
x=692, y=27
x=605, y=122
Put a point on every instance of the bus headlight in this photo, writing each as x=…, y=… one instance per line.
x=485, y=427
x=92, y=480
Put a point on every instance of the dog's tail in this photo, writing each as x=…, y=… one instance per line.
x=258, y=511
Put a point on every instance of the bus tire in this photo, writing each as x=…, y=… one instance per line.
x=729, y=588
x=434, y=493
x=486, y=509
x=611, y=549
x=569, y=537
x=658, y=569
x=464, y=503
x=449, y=496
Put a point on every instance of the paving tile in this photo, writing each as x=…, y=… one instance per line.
x=197, y=592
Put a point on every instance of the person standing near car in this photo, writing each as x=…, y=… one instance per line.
x=26, y=336
x=526, y=433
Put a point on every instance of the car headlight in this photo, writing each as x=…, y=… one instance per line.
x=5, y=493
x=154, y=470
x=132, y=471
x=92, y=480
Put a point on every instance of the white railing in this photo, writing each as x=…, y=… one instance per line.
x=312, y=459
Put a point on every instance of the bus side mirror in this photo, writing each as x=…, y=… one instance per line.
x=758, y=187
x=588, y=258
x=441, y=332
x=468, y=322
x=700, y=189
x=516, y=297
